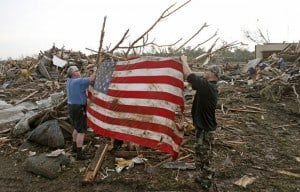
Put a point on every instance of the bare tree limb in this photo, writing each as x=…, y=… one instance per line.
x=201, y=28
x=297, y=96
x=208, y=54
x=263, y=37
x=120, y=42
x=101, y=41
x=210, y=51
x=162, y=16
x=108, y=54
x=214, y=35
x=257, y=37
x=139, y=44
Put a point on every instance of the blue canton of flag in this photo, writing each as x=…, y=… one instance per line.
x=104, y=75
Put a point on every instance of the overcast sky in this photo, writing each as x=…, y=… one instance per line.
x=28, y=26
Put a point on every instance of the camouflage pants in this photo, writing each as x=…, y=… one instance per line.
x=204, y=154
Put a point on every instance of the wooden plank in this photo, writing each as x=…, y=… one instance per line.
x=26, y=97
x=129, y=154
x=4, y=131
x=66, y=126
x=94, y=166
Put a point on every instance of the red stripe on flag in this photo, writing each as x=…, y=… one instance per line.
x=145, y=72
x=146, y=95
x=132, y=109
x=150, y=65
x=136, y=124
x=136, y=139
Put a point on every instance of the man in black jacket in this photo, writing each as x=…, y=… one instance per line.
x=204, y=120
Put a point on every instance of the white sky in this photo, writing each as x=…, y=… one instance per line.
x=28, y=26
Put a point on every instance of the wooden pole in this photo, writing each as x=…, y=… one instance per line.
x=101, y=42
x=95, y=165
x=25, y=98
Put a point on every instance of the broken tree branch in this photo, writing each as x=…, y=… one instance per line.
x=256, y=108
x=95, y=165
x=214, y=35
x=162, y=16
x=109, y=55
x=25, y=98
x=297, y=97
x=101, y=42
x=244, y=110
x=201, y=28
x=120, y=42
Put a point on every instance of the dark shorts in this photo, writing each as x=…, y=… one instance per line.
x=78, y=117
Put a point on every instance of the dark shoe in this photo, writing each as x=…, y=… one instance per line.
x=74, y=153
x=117, y=144
x=204, y=183
x=83, y=156
x=74, y=148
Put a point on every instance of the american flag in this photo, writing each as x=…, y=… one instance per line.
x=137, y=100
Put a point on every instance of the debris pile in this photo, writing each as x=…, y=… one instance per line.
x=33, y=105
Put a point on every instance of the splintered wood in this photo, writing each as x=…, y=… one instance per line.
x=95, y=164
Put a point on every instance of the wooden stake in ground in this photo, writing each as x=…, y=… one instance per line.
x=96, y=163
x=26, y=97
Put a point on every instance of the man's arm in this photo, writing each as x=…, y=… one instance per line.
x=92, y=78
x=186, y=68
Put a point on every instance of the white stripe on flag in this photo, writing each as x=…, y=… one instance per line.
x=141, y=102
x=147, y=134
x=147, y=58
x=137, y=117
x=149, y=72
x=147, y=87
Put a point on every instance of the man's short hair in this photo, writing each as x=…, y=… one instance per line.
x=71, y=70
x=214, y=69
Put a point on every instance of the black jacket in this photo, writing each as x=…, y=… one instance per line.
x=205, y=102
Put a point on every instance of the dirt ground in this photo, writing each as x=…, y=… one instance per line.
x=256, y=139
